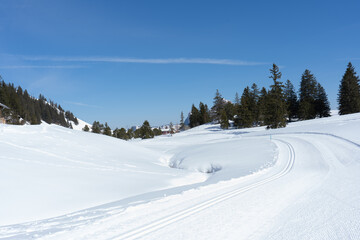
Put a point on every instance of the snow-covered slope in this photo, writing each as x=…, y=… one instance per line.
x=47, y=170
x=300, y=182
x=81, y=124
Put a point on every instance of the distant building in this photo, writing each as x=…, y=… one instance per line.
x=2, y=107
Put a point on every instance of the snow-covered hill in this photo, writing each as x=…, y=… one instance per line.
x=300, y=182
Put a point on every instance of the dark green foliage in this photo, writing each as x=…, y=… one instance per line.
x=97, y=127
x=70, y=116
x=86, y=128
x=313, y=100
x=182, y=125
x=194, y=117
x=254, y=94
x=218, y=106
x=121, y=133
x=349, y=92
x=262, y=106
x=30, y=109
x=245, y=116
x=130, y=133
x=322, y=105
x=224, y=121
x=157, y=131
x=145, y=131
x=307, y=96
x=204, y=115
x=171, y=128
x=291, y=100
x=275, y=113
x=229, y=110
x=107, y=130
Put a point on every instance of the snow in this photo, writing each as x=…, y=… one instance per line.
x=81, y=124
x=299, y=182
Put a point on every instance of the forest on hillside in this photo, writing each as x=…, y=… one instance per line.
x=26, y=109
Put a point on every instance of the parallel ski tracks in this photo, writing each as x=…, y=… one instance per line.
x=162, y=222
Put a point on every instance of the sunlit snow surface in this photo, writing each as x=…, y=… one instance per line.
x=300, y=182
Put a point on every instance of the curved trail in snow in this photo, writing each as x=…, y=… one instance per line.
x=314, y=197
x=163, y=222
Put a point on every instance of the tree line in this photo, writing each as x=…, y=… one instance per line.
x=144, y=132
x=27, y=109
x=280, y=104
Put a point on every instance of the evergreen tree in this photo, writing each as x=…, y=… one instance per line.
x=217, y=107
x=322, y=105
x=145, y=131
x=194, y=117
x=262, y=106
x=29, y=109
x=107, y=130
x=246, y=117
x=349, y=92
x=275, y=114
x=157, y=131
x=86, y=128
x=291, y=100
x=224, y=122
x=307, y=96
x=120, y=133
x=254, y=94
x=171, y=128
x=130, y=133
x=229, y=110
x=96, y=127
x=204, y=116
x=182, y=125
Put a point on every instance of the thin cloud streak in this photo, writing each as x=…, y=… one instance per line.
x=82, y=104
x=148, y=60
x=39, y=66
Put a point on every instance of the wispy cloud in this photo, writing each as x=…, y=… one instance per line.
x=39, y=66
x=148, y=60
x=82, y=104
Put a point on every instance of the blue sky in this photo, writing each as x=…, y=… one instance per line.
x=122, y=62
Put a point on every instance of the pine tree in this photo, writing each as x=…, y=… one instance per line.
x=291, y=100
x=157, y=131
x=130, y=133
x=217, y=107
x=229, y=110
x=171, y=128
x=182, y=125
x=96, y=127
x=107, y=130
x=86, y=128
x=262, y=106
x=145, y=131
x=246, y=117
x=120, y=133
x=254, y=94
x=349, y=92
x=204, y=116
x=194, y=117
x=322, y=105
x=224, y=122
x=307, y=96
x=275, y=114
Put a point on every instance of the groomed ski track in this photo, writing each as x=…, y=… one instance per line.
x=308, y=194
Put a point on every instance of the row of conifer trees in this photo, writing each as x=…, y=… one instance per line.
x=144, y=132
x=279, y=104
x=24, y=108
